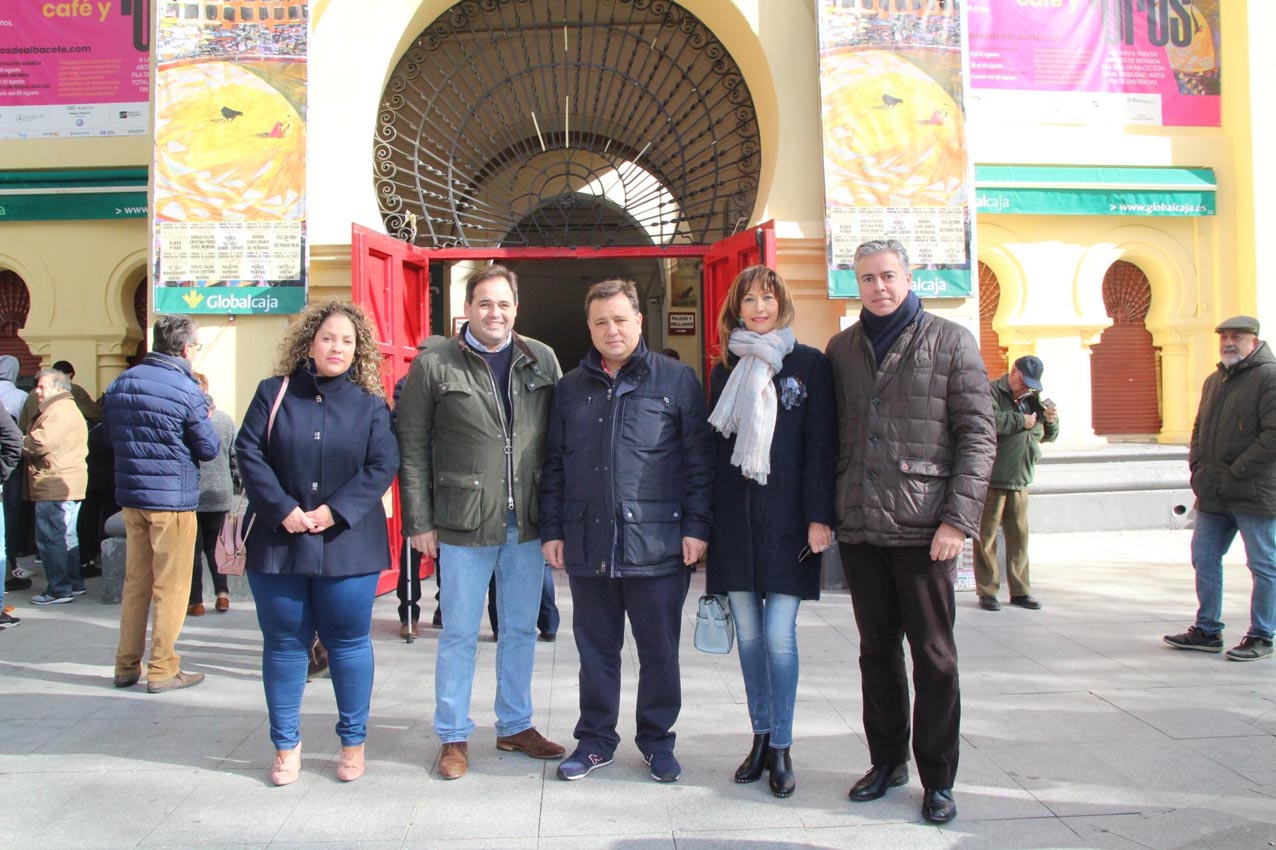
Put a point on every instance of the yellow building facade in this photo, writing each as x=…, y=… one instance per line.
x=82, y=277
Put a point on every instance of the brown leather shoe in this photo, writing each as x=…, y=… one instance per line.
x=175, y=683
x=196, y=610
x=126, y=680
x=531, y=742
x=454, y=760
x=403, y=630
x=223, y=604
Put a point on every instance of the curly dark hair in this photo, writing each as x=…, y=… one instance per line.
x=365, y=367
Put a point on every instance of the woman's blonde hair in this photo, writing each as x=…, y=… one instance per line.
x=765, y=279
x=365, y=366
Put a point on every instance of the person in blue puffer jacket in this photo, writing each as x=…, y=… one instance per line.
x=156, y=421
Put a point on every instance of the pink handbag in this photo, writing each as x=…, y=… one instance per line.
x=232, y=551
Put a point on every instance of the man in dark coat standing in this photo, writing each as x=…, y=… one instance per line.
x=625, y=509
x=156, y=420
x=916, y=445
x=1233, y=463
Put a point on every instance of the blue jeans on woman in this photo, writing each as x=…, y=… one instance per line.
x=290, y=609
x=766, y=632
x=1211, y=539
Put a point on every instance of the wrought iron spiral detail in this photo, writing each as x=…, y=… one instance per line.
x=511, y=122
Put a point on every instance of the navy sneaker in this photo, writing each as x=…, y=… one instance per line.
x=664, y=767
x=580, y=764
x=1196, y=639
x=1250, y=649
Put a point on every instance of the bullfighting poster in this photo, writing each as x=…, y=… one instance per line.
x=229, y=193
x=895, y=157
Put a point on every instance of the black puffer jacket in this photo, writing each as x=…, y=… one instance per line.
x=628, y=467
x=916, y=439
x=1233, y=454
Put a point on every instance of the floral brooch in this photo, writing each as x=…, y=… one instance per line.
x=792, y=392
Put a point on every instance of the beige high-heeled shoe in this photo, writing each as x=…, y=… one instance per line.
x=287, y=767
x=351, y=766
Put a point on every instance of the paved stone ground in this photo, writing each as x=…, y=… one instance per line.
x=1080, y=730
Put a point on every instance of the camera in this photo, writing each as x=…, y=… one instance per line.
x=1032, y=403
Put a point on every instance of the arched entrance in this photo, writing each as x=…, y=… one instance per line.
x=15, y=303
x=990, y=347
x=504, y=111
x=1124, y=369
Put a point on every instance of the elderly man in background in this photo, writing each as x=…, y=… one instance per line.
x=57, y=450
x=1233, y=463
x=1024, y=422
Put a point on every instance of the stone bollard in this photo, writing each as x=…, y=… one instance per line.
x=113, y=557
x=113, y=560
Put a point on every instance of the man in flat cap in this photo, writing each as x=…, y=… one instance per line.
x=1233, y=462
x=1024, y=422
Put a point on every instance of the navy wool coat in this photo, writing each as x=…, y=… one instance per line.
x=331, y=444
x=759, y=531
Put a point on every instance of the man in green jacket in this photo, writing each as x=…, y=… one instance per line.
x=1024, y=422
x=1233, y=463
x=472, y=421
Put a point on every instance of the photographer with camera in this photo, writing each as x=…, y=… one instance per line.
x=1024, y=421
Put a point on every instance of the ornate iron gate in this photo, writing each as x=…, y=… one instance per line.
x=566, y=122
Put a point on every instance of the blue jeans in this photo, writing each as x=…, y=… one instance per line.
x=1212, y=538
x=58, y=545
x=290, y=609
x=766, y=631
x=519, y=569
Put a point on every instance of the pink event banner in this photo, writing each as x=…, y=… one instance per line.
x=1153, y=62
x=74, y=68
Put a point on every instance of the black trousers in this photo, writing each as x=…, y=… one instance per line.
x=208, y=524
x=898, y=592
x=654, y=608
x=408, y=588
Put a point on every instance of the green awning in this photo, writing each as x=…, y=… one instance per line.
x=73, y=194
x=1075, y=190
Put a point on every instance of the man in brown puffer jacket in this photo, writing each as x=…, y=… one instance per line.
x=916, y=446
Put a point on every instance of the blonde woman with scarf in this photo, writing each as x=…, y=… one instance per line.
x=776, y=439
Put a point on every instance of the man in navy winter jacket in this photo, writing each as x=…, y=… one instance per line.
x=156, y=421
x=625, y=508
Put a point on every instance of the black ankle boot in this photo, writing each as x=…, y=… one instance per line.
x=751, y=769
x=782, y=779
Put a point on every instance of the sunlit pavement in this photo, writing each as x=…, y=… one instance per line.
x=1080, y=730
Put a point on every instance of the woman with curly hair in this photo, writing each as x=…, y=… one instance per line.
x=316, y=453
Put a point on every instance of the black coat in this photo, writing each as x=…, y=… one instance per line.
x=331, y=444
x=759, y=530
x=628, y=467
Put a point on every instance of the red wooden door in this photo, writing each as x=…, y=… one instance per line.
x=391, y=281
x=724, y=260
